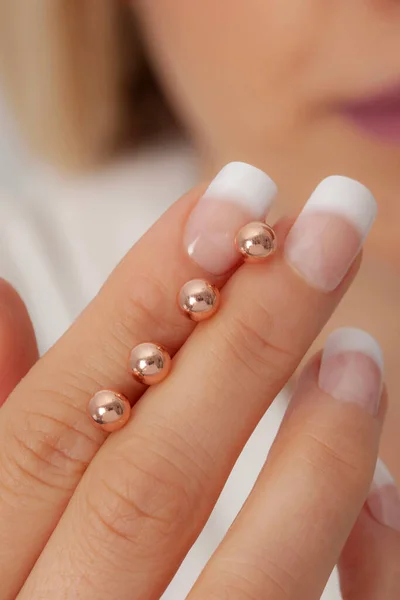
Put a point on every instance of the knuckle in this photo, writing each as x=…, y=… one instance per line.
x=345, y=462
x=47, y=449
x=245, y=581
x=228, y=590
x=250, y=339
x=144, y=510
x=144, y=306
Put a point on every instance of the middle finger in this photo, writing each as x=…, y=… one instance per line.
x=148, y=492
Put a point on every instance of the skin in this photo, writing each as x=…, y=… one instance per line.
x=115, y=519
x=144, y=496
x=262, y=82
x=18, y=348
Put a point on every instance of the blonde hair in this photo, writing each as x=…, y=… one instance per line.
x=68, y=67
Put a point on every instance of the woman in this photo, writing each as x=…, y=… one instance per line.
x=301, y=94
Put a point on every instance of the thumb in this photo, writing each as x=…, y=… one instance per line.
x=18, y=348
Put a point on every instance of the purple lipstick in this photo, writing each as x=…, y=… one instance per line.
x=378, y=115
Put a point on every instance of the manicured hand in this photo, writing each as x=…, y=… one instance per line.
x=82, y=516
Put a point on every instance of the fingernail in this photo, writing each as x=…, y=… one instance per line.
x=384, y=499
x=330, y=231
x=239, y=193
x=352, y=368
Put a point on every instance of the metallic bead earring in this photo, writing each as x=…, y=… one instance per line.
x=149, y=363
x=109, y=410
x=256, y=241
x=198, y=299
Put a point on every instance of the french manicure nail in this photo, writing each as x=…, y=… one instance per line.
x=330, y=230
x=384, y=499
x=352, y=368
x=239, y=193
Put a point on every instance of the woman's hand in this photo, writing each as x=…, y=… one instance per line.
x=144, y=495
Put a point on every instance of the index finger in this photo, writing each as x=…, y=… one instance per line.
x=47, y=438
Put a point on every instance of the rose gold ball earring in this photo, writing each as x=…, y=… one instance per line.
x=198, y=299
x=149, y=363
x=109, y=410
x=256, y=241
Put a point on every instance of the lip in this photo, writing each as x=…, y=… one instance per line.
x=377, y=115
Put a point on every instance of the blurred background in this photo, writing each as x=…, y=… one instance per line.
x=75, y=87
x=86, y=138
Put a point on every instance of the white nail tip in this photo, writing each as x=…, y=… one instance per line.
x=245, y=185
x=347, y=198
x=349, y=339
x=382, y=476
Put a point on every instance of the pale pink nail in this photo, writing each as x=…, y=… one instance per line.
x=330, y=231
x=384, y=499
x=352, y=367
x=239, y=193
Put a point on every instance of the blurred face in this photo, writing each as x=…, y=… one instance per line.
x=301, y=88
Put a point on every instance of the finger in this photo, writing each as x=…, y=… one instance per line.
x=47, y=437
x=289, y=535
x=369, y=566
x=18, y=348
x=148, y=493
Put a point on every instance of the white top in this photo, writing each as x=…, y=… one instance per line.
x=60, y=238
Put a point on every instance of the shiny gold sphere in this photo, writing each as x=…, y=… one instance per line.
x=256, y=241
x=149, y=363
x=109, y=410
x=198, y=299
